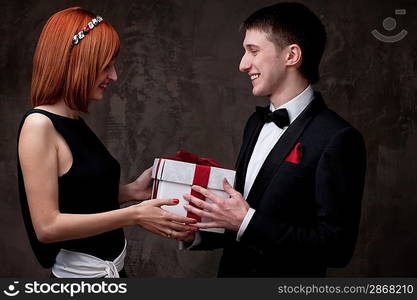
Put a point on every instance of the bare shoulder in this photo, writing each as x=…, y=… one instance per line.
x=38, y=124
x=37, y=131
x=37, y=121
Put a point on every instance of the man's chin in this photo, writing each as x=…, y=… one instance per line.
x=258, y=92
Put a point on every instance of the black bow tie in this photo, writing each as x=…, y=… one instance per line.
x=279, y=116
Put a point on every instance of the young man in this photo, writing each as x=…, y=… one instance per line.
x=295, y=208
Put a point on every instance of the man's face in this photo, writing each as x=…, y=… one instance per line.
x=264, y=63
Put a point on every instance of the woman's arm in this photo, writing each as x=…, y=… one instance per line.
x=38, y=156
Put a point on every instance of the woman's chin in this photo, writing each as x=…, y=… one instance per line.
x=96, y=98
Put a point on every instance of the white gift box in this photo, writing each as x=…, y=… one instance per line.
x=173, y=179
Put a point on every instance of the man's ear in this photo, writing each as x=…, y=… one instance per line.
x=294, y=55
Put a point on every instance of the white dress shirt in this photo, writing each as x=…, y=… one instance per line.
x=268, y=137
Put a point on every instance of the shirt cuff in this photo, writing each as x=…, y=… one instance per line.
x=245, y=223
x=187, y=246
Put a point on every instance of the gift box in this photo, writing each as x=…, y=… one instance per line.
x=174, y=176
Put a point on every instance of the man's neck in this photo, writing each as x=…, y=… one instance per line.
x=290, y=89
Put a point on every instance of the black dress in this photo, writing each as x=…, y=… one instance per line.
x=90, y=186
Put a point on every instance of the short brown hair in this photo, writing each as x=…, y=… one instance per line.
x=63, y=71
x=293, y=23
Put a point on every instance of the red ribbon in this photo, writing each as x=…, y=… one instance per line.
x=201, y=178
x=201, y=173
x=194, y=159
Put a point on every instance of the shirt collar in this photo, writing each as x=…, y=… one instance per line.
x=297, y=104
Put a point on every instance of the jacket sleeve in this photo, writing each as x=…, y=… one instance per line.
x=339, y=183
x=209, y=241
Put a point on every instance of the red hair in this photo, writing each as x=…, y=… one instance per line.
x=63, y=71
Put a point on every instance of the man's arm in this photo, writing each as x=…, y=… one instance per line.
x=339, y=180
x=339, y=186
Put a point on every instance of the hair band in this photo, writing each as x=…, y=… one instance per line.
x=90, y=26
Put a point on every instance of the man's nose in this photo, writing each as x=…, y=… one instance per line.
x=244, y=64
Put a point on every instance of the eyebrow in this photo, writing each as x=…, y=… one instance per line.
x=250, y=46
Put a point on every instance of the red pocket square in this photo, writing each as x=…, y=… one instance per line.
x=295, y=155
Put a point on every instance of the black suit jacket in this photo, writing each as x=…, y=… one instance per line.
x=307, y=214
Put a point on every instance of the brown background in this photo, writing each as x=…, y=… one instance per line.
x=179, y=88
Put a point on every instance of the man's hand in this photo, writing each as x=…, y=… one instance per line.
x=224, y=212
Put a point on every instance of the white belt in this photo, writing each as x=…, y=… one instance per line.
x=71, y=264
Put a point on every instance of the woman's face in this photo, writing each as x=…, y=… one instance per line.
x=104, y=78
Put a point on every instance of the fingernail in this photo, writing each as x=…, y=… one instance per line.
x=176, y=201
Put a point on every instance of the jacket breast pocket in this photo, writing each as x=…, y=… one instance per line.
x=291, y=170
x=290, y=192
x=292, y=180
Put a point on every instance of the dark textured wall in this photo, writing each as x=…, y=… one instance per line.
x=179, y=88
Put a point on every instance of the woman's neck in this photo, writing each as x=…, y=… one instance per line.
x=60, y=108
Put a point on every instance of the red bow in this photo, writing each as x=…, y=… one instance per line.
x=192, y=158
x=201, y=174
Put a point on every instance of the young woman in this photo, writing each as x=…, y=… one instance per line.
x=68, y=181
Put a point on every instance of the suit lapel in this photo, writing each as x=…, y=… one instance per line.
x=282, y=148
x=246, y=150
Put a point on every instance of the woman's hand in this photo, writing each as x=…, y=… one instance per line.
x=138, y=190
x=143, y=185
x=153, y=218
x=189, y=238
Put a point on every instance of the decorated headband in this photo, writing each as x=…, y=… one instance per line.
x=80, y=35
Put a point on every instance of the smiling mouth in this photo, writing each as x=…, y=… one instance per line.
x=254, y=76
